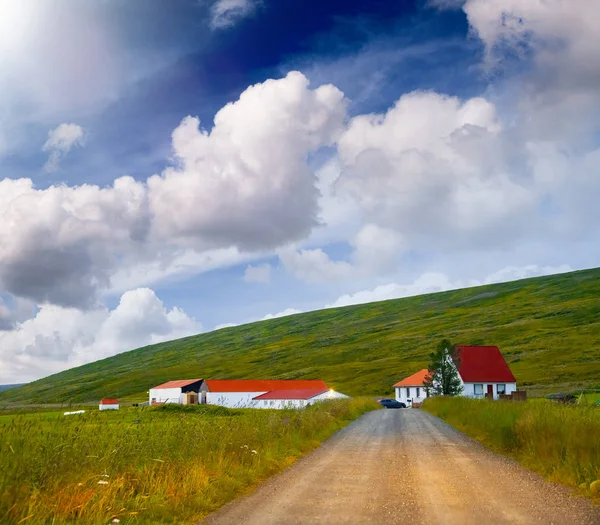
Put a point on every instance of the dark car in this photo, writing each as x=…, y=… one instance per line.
x=391, y=403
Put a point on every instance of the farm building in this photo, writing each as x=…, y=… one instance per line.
x=295, y=398
x=482, y=370
x=249, y=393
x=411, y=390
x=181, y=392
x=109, y=403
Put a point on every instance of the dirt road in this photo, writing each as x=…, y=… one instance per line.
x=405, y=467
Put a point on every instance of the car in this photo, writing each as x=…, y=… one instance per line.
x=391, y=403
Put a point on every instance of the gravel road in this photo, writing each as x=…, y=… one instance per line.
x=405, y=466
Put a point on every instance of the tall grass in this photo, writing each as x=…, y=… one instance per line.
x=151, y=465
x=561, y=442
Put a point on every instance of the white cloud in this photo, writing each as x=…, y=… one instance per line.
x=59, y=245
x=226, y=13
x=376, y=252
x=314, y=266
x=228, y=194
x=58, y=338
x=258, y=274
x=59, y=143
x=284, y=313
x=247, y=182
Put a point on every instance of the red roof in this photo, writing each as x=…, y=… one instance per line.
x=109, y=401
x=416, y=379
x=177, y=384
x=292, y=394
x=483, y=364
x=264, y=385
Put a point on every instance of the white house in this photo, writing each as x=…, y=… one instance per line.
x=411, y=390
x=245, y=393
x=173, y=391
x=109, y=403
x=295, y=398
x=482, y=370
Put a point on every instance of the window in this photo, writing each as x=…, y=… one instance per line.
x=501, y=389
x=418, y=392
x=265, y=402
x=407, y=391
x=478, y=390
x=272, y=402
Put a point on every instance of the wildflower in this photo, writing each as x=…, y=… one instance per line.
x=116, y=520
x=79, y=484
x=102, y=482
x=105, y=476
x=254, y=452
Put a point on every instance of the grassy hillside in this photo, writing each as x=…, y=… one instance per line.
x=548, y=329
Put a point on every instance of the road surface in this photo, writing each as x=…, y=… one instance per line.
x=405, y=467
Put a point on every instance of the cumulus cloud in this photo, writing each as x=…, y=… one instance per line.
x=376, y=252
x=245, y=186
x=60, y=244
x=247, y=182
x=226, y=13
x=258, y=274
x=59, y=143
x=57, y=338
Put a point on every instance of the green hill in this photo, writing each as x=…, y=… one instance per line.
x=548, y=328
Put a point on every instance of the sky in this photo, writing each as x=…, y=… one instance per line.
x=171, y=168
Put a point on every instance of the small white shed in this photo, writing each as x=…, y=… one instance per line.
x=109, y=403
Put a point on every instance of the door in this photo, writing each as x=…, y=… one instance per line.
x=490, y=392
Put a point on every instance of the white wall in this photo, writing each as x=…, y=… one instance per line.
x=469, y=389
x=234, y=399
x=108, y=407
x=403, y=396
x=245, y=400
x=165, y=395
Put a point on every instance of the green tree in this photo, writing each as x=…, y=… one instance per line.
x=443, y=378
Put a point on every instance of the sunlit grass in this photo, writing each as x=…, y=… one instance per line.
x=151, y=465
x=559, y=441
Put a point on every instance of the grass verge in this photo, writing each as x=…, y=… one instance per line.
x=151, y=465
x=558, y=441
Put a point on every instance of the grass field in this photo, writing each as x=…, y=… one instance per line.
x=548, y=329
x=556, y=440
x=171, y=464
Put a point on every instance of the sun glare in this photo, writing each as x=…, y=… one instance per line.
x=17, y=19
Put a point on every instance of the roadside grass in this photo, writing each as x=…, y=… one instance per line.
x=151, y=465
x=560, y=442
x=548, y=329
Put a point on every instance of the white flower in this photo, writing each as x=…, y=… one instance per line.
x=116, y=520
x=254, y=452
x=102, y=482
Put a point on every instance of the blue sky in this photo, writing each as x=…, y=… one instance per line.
x=386, y=149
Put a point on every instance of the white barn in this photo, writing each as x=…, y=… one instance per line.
x=173, y=392
x=412, y=390
x=246, y=393
x=108, y=403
